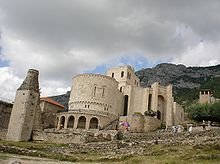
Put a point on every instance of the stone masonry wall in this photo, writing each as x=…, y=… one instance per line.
x=151, y=124
x=48, y=115
x=5, y=113
x=139, y=123
x=74, y=136
x=3, y=133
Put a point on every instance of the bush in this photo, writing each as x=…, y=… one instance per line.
x=150, y=113
x=199, y=112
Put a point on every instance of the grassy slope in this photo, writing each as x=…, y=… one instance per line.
x=152, y=154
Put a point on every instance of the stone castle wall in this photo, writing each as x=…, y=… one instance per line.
x=74, y=136
x=151, y=124
x=139, y=123
x=178, y=113
x=5, y=113
x=48, y=114
x=3, y=133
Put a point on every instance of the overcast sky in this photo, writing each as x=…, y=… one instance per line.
x=62, y=38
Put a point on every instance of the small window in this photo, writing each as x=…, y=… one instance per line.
x=120, y=89
x=122, y=74
x=129, y=75
x=88, y=106
x=113, y=75
x=85, y=106
x=103, y=92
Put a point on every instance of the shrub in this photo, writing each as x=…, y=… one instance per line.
x=199, y=112
x=150, y=113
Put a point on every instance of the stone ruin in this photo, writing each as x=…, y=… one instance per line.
x=25, y=111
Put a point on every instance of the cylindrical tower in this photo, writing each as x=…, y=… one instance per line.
x=94, y=92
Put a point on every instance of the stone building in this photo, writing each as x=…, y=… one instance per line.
x=99, y=101
x=49, y=109
x=25, y=105
x=206, y=96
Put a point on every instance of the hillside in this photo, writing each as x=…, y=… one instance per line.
x=62, y=99
x=186, y=81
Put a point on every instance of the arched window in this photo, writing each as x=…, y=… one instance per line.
x=93, y=123
x=113, y=75
x=158, y=115
x=81, y=122
x=120, y=89
x=122, y=74
x=62, y=122
x=70, y=122
x=161, y=107
x=125, y=113
x=129, y=75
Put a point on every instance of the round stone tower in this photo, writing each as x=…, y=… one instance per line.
x=94, y=92
x=95, y=103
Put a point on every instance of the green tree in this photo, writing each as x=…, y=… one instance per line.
x=199, y=112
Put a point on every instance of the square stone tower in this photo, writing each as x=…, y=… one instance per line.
x=205, y=96
x=24, y=108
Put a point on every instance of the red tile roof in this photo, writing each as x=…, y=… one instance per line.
x=51, y=101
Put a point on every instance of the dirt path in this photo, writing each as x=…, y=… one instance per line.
x=20, y=159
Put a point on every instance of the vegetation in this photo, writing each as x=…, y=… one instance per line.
x=150, y=113
x=176, y=154
x=214, y=85
x=187, y=96
x=199, y=112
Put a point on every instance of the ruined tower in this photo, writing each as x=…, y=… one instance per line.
x=24, y=108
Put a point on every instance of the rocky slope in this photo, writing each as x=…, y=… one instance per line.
x=186, y=81
x=62, y=99
x=179, y=76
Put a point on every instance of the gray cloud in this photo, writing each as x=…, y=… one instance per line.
x=62, y=38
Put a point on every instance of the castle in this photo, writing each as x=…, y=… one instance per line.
x=98, y=103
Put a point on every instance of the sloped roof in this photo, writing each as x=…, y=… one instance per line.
x=51, y=101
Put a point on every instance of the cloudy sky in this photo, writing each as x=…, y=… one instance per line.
x=62, y=38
